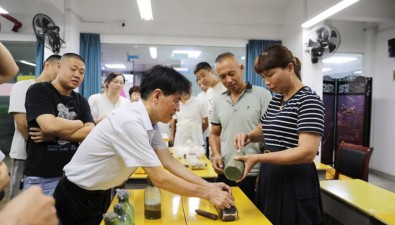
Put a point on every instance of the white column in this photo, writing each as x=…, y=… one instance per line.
x=369, y=49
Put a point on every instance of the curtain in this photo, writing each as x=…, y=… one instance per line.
x=90, y=51
x=39, y=57
x=254, y=48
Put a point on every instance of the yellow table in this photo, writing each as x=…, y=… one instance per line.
x=172, y=210
x=384, y=218
x=208, y=172
x=248, y=213
x=356, y=201
x=181, y=210
x=321, y=169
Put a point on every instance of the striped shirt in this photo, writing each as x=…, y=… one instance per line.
x=303, y=112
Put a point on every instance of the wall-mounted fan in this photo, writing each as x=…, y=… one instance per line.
x=323, y=41
x=47, y=32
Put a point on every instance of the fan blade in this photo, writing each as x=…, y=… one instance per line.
x=313, y=44
x=333, y=33
x=332, y=47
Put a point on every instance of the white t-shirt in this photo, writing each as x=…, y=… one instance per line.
x=212, y=94
x=189, y=122
x=113, y=150
x=2, y=156
x=202, y=96
x=101, y=105
x=17, y=105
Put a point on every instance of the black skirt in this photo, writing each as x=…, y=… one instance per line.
x=289, y=194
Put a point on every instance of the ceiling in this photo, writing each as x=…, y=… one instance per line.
x=242, y=19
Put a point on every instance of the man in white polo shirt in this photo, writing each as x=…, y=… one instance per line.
x=127, y=139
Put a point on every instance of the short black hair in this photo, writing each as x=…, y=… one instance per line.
x=202, y=65
x=52, y=59
x=73, y=55
x=164, y=78
x=134, y=89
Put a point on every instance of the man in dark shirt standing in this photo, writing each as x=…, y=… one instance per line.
x=58, y=119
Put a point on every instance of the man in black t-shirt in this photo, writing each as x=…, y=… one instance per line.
x=58, y=119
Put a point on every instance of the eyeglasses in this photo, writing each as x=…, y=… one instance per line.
x=118, y=82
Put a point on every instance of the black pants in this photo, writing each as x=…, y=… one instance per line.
x=77, y=206
x=247, y=185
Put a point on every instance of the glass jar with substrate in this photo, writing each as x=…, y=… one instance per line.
x=124, y=197
x=123, y=217
x=152, y=202
x=111, y=218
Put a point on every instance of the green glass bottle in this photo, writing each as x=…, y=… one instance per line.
x=123, y=217
x=152, y=202
x=124, y=197
x=110, y=218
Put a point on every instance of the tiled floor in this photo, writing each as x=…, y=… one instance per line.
x=382, y=182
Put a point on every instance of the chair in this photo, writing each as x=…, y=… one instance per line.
x=353, y=161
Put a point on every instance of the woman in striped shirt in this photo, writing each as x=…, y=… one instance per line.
x=288, y=189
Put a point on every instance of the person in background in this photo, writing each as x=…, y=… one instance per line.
x=4, y=178
x=190, y=121
x=202, y=96
x=8, y=67
x=125, y=140
x=205, y=75
x=288, y=190
x=102, y=104
x=31, y=206
x=18, y=111
x=65, y=119
x=237, y=110
x=134, y=93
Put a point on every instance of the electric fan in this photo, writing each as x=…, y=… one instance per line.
x=323, y=41
x=47, y=32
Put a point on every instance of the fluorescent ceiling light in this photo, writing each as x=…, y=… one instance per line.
x=191, y=54
x=145, y=9
x=153, y=52
x=115, y=66
x=181, y=69
x=328, y=12
x=339, y=59
x=357, y=72
x=326, y=69
x=27, y=63
x=3, y=11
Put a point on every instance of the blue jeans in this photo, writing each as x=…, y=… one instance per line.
x=47, y=185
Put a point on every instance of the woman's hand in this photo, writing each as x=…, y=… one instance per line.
x=249, y=163
x=241, y=140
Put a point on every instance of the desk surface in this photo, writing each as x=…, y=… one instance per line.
x=321, y=166
x=172, y=211
x=387, y=218
x=181, y=210
x=248, y=213
x=207, y=172
x=368, y=198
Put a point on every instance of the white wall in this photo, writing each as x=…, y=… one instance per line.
x=383, y=110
